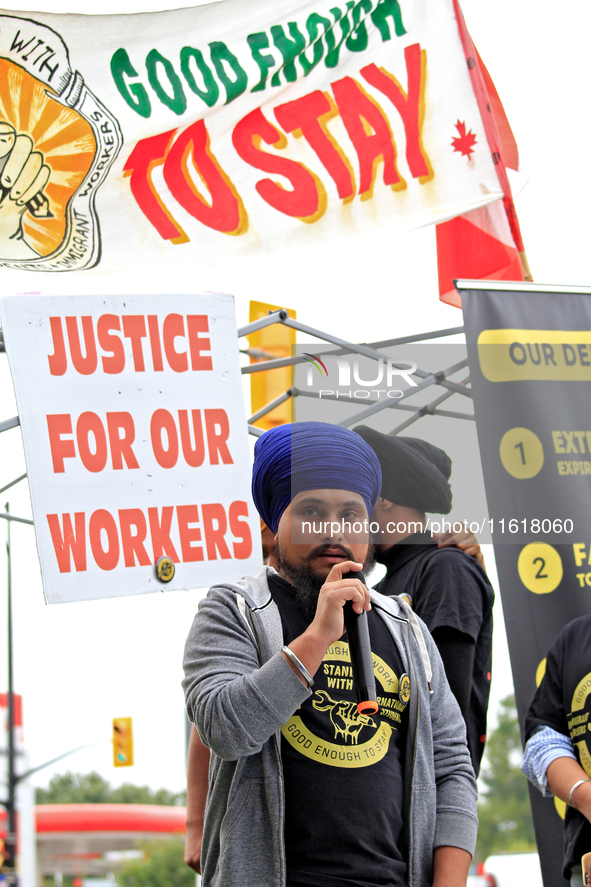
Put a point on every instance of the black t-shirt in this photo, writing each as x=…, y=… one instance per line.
x=448, y=590
x=344, y=771
x=563, y=702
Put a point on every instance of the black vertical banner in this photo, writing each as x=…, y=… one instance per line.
x=529, y=351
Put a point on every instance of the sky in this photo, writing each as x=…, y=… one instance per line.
x=79, y=665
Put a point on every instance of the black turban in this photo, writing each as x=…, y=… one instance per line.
x=414, y=473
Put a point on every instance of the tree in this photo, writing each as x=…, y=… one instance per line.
x=143, y=794
x=503, y=809
x=161, y=866
x=75, y=788
x=92, y=788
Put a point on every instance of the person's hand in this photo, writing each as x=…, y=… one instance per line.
x=586, y=868
x=465, y=540
x=193, y=846
x=23, y=175
x=328, y=622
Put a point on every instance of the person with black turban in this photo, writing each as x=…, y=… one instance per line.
x=303, y=790
x=447, y=589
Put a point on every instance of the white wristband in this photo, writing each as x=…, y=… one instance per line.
x=576, y=785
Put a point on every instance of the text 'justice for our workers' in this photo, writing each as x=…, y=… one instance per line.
x=106, y=441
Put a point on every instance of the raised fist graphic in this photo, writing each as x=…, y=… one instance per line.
x=23, y=175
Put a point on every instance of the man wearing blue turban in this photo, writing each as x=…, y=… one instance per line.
x=303, y=790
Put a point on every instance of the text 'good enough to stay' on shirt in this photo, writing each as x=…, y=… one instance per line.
x=344, y=771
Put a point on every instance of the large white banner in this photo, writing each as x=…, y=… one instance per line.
x=231, y=129
x=135, y=438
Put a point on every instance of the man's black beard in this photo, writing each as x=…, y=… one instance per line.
x=307, y=584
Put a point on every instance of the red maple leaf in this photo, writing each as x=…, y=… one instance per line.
x=463, y=143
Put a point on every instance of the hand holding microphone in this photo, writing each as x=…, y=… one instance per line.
x=339, y=601
x=364, y=680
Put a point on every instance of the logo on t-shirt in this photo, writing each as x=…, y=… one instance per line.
x=404, y=689
x=344, y=717
x=578, y=722
x=349, y=739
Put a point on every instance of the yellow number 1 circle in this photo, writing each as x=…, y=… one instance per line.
x=521, y=452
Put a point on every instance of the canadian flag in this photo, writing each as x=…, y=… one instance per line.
x=484, y=244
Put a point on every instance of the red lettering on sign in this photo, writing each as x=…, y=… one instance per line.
x=133, y=543
x=155, y=343
x=163, y=421
x=306, y=117
x=148, y=154
x=57, y=425
x=199, y=323
x=134, y=328
x=102, y=520
x=214, y=535
x=121, y=446
x=187, y=515
x=107, y=537
x=89, y=423
x=410, y=105
x=217, y=425
x=58, y=361
x=173, y=328
x=307, y=199
x=105, y=324
x=194, y=456
x=226, y=212
x=160, y=533
x=240, y=529
x=84, y=365
x=361, y=113
x=68, y=541
x=219, y=206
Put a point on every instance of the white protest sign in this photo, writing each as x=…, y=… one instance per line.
x=238, y=128
x=135, y=438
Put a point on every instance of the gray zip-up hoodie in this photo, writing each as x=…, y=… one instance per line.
x=240, y=691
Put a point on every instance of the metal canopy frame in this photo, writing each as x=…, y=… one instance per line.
x=373, y=351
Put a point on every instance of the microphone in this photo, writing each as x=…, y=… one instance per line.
x=357, y=628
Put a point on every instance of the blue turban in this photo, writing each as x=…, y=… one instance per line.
x=289, y=459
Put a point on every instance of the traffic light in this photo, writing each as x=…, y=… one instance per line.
x=122, y=742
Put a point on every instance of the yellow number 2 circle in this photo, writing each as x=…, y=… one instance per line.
x=540, y=567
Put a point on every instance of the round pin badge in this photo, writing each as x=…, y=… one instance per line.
x=404, y=689
x=164, y=568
